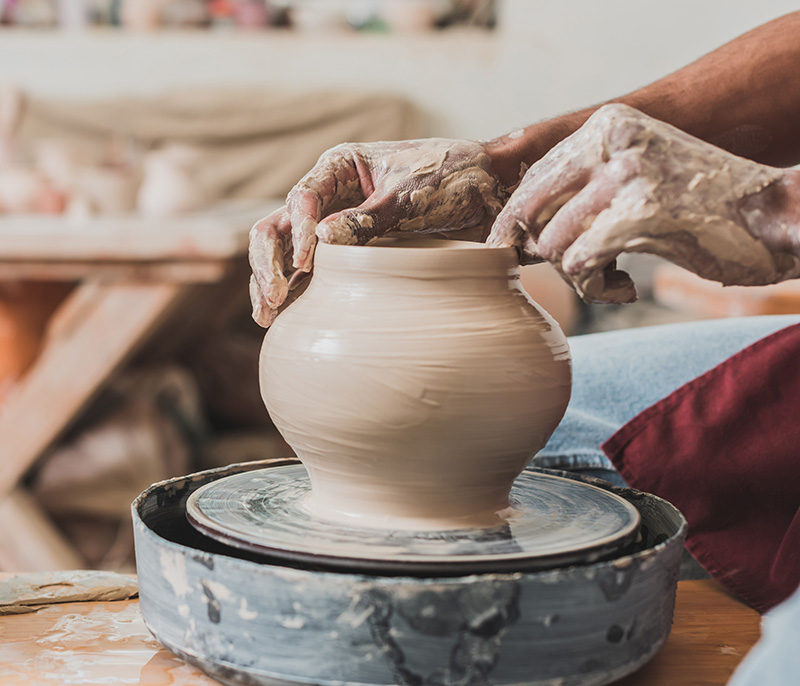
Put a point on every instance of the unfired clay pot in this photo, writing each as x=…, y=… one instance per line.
x=415, y=380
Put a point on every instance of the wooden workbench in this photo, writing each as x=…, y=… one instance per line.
x=134, y=277
x=106, y=642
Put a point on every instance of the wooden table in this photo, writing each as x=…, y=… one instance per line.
x=133, y=276
x=106, y=642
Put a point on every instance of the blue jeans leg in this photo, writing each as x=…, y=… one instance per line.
x=618, y=374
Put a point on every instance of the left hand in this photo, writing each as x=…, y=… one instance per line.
x=359, y=191
x=625, y=182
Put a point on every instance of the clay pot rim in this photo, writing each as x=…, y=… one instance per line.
x=416, y=242
x=400, y=255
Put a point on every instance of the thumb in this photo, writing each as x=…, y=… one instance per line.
x=359, y=225
x=507, y=230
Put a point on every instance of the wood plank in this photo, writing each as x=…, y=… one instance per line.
x=28, y=539
x=27, y=592
x=218, y=233
x=75, y=644
x=206, y=310
x=104, y=324
x=185, y=271
x=711, y=634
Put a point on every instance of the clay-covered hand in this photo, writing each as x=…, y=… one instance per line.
x=625, y=182
x=357, y=192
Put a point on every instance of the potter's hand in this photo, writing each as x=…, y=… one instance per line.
x=625, y=182
x=357, y=192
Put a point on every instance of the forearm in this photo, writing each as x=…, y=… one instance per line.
x=744, y=97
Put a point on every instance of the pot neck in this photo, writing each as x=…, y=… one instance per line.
x=416, y=259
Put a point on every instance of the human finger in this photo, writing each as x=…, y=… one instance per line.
x=333, y=180
x=574, y=218
x=358, y=225
x=270, y=246
x=507, y=230
x=589, y=263
x=543, y=192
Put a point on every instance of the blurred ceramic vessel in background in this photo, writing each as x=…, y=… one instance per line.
x=141, y=15
x=170, y=184
x=415, y=380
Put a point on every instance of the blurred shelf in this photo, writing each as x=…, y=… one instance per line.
x=217, y=233
x=449, y=75
x=685, y=292
x=99, y=35
x=105, y=62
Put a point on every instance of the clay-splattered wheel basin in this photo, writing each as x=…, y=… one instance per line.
x=246, y=619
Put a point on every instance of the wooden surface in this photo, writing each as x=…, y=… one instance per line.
x=212, y=234
x=96, y=329
x=101, y=642
x=711, y=634
x=23, y=521
x=133, y=274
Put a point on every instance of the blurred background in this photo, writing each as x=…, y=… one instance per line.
x=140, y=139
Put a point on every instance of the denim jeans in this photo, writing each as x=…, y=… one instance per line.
x=618, y=374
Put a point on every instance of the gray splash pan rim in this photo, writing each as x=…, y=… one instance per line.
x=621, y=562
x=277, y=679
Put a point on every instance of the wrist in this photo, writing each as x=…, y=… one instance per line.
x=514, y=152
x=509, y=157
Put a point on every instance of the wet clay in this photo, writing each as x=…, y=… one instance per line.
x=463, y=183
x=415, y=380
x=357, y=192
x=666, y=193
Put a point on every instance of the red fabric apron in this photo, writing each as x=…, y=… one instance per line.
x=725, y=449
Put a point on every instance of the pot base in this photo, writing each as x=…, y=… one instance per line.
x=551, y=522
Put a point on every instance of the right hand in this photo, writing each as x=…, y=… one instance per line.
x=626, y=182
x=359, y=191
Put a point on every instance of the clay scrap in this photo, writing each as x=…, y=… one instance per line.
x=24, y=593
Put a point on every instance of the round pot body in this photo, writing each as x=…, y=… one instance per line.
x=415, y=380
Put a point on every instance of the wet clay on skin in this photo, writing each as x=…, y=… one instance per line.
x=426, y=206
x=415, y=380
x=673, y=195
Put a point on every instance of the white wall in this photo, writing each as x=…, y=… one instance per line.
x=573, y=53
x=548, y=56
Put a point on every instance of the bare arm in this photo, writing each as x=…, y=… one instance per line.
x=743, y=97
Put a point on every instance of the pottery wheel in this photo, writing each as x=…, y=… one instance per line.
x=554, y=522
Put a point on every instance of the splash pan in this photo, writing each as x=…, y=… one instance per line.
x=249, y=617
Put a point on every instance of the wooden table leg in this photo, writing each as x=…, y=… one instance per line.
x=95, y=331
x=28, y=539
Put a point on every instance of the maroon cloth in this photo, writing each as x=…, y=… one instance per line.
x=725, y=449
